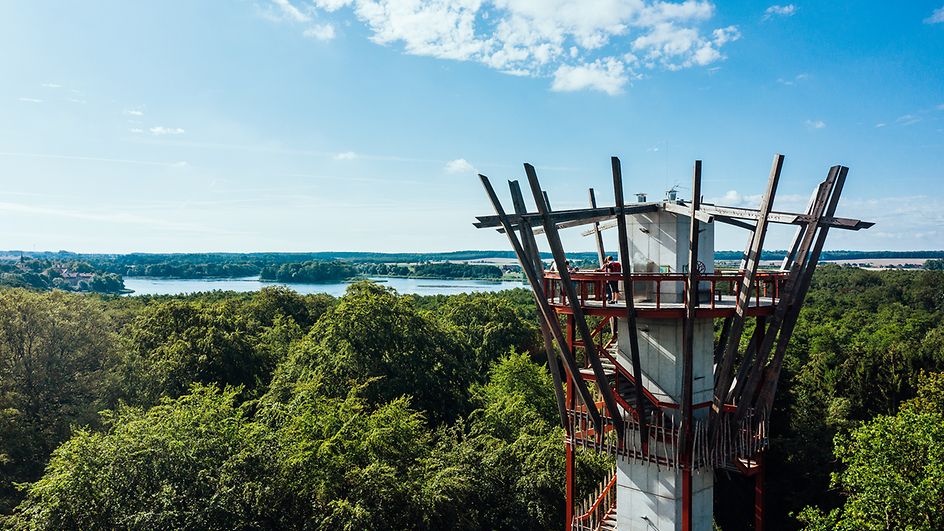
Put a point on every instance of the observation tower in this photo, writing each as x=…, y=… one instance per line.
x=642, y=379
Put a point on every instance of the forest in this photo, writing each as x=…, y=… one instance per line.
x=274, y=410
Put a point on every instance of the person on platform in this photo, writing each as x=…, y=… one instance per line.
x=612, y=287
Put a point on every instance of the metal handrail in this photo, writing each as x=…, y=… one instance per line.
x=593, y=517
x=591, y=285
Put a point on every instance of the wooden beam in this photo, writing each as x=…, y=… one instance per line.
x=688, y=351
x=736, y=222
x=550, y=317
x=746, y=399
x=765, y=399
x=565, y=218
x=722, y=339
x=776, y=217
x=530, y=248
x=787, y=262
x=596, y=227
x=725, y=371
x=753, y=346
x=535, y=219
x=553, y=240
x=681, y=209
x=630, y=303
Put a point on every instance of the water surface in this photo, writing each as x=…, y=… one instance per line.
x=405, y=286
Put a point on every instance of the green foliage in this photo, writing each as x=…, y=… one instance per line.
x=389, y=412
x=54, y=351
x=893, y=469
x=455, y=270
x=313, y=271
x=491, y=326
x=376, y=339
x=191, y=463
x=934, y=265
x=862, y=340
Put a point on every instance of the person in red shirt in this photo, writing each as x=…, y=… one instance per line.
x=612, y=286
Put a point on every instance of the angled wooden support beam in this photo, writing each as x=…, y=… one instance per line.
x=530, y=248
x=798, y=235
x=677, y=207
x=535, y=219
x=735, y=222
x=723, y=338
x=557, y=249
x=550, y=317
x=630, y=304
x=752, y=347
x=725, y=371
x=596, y=227
x=765, y=399
x=688, y=352
x=745, y=400
x=787, y=218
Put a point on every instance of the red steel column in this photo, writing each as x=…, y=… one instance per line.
x=571, y=476
x=759, y=495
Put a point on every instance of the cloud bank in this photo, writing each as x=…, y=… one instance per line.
x=580, y=44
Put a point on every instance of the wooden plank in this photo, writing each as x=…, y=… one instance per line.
x=630, y=303
x=745, y=400
x=553, y=240
x=550, y=317
x=725, y=371
x=596, y=227
x=530, y=248
x=772, y=373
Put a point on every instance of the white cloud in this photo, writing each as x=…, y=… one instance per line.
x=347, y=155
x=134, y=112
x=606, y=76
x=880, y=125
x=136, y=130
x=290, y=11
x=815, y=124
x=161, y=131
x=593, y=44
x=459, y=166
x=31, y=100
x=52, y=85
x=937, y=16
x=776, y=10
x=321, y=32
x=796, y=79
x=908, y=119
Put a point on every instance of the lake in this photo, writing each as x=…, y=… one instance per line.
x=404, y=286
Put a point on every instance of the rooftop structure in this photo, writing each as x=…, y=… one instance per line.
x=640, y=377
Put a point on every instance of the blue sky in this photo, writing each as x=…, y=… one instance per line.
x=298, y=125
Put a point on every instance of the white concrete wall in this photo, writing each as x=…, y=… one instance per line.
x=660, y=354
x=649, y=498
x=659, y=243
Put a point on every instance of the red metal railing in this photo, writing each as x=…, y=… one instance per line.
x=599, y=505
x=591, y=286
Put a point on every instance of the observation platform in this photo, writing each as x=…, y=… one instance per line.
x=664, y=295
